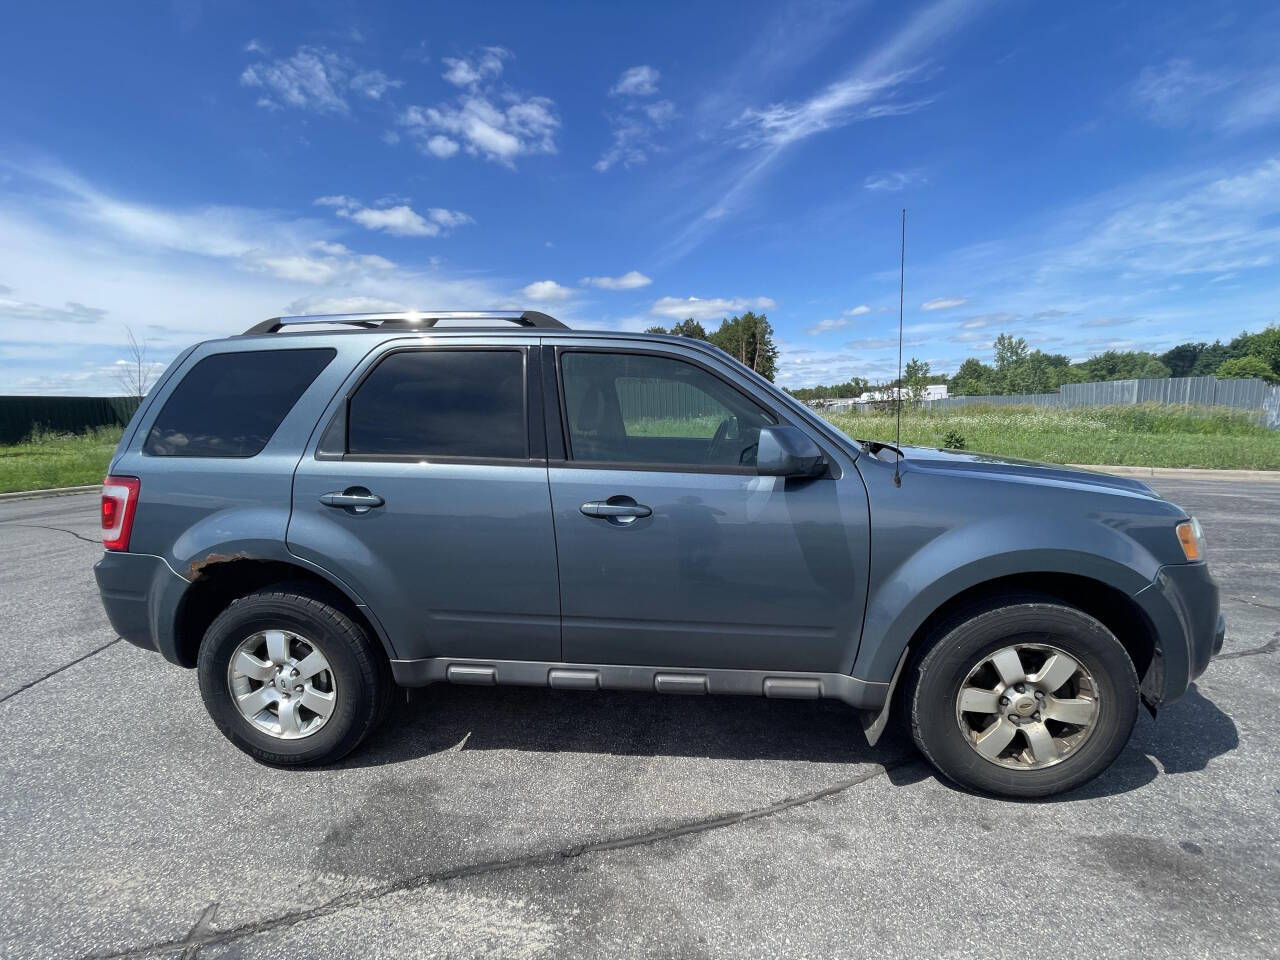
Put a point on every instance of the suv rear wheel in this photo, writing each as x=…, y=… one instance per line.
x=1024, y=699
x=291, y=679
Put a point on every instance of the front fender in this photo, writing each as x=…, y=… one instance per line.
x=909, y=585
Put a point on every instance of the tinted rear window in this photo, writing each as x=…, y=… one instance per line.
x=443, y=403
x=230, y=404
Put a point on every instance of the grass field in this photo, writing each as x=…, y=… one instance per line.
x=1128, y=436
x=57, y=459
x=1137, y=436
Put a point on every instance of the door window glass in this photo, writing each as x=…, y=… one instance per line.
x=638, y=408
x=443, y=403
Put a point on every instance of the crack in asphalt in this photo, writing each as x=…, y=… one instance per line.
x=199, y=937
x=1252, y=603
x=1271, y=646
x=41, y=526
x=53, y=673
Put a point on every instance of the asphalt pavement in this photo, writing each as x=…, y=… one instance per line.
x=529, y=823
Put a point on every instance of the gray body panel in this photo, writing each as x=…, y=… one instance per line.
x=734, y=576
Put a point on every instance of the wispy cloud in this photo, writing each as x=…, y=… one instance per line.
x=631, y=280
x=876, y=87
x=894, y=180
x=944, y=303
x=399, y=220
x=843, y=102
x=714, y=308
x=641, y=81
x=1231, y=99
x=314, y=79
x=635, y=126
x=486, y=119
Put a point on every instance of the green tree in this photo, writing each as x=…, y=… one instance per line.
x=1010, y=351
x=655, y=329
x=1265, y=345
x=973, y=379
x=1243, y=368
x=1124, y=365
x=1182, y=359
x=916, y=378
x=689, y=328
x=749, y=339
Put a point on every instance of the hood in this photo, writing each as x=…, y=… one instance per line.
x=928, y=458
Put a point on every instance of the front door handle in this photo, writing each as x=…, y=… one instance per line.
x=616, y=509
x=354, y=499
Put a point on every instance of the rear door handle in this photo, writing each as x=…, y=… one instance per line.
x=621, y=509
x=354, y=499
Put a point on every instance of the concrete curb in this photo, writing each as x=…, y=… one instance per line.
x=1185, y=473
x=51, y=492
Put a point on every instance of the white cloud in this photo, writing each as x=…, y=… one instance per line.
x=485, y=120
x=641, y=81
x=823, y=326
x=715, y=308
x=399, y=220
x=313, y=79
x=631, y=280
x=546, y=291
x=441, y=146
x=464, y=72
x=26, y=312
x=944, y=303
x=176, y=275
x=836, y=323
x=893, y=180
x=390, y=137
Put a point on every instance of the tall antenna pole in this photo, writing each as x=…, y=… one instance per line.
x=902, y=283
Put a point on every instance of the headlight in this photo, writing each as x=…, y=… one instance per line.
x=1192, y=539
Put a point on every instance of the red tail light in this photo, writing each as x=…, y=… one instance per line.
x=119, y=500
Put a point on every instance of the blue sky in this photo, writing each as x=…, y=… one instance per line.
x=1085, y=175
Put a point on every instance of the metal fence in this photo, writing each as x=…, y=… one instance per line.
x=650, y=399
x=1249, y=395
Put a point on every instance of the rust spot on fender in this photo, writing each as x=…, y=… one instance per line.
x=198, y=567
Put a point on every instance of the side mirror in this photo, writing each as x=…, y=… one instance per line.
x=786, y=451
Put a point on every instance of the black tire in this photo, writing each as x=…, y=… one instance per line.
x=963, y=642
x=359, y=667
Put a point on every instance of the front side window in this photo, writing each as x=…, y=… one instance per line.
x=230, y=404
x=637, y=408
x=441, y=403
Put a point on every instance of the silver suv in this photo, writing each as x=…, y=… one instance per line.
x=325, y=507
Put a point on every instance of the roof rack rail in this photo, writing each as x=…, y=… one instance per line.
x=411, y=319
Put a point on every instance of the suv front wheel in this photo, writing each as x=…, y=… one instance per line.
x=291, y=679
x=1025, y=699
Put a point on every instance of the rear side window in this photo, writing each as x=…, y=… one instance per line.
x=441, y=403
x=230, y=404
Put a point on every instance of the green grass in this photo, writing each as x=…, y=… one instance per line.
x=1143, y=436
x=57, y=459
x=1131, y=436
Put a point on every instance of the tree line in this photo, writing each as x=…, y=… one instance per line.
x=1016, y=368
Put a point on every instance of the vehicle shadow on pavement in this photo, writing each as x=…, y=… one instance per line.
x=1186, y=737
x=442, y=718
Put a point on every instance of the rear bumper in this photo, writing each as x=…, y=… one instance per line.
x=140, y=594
x=1182, y=604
